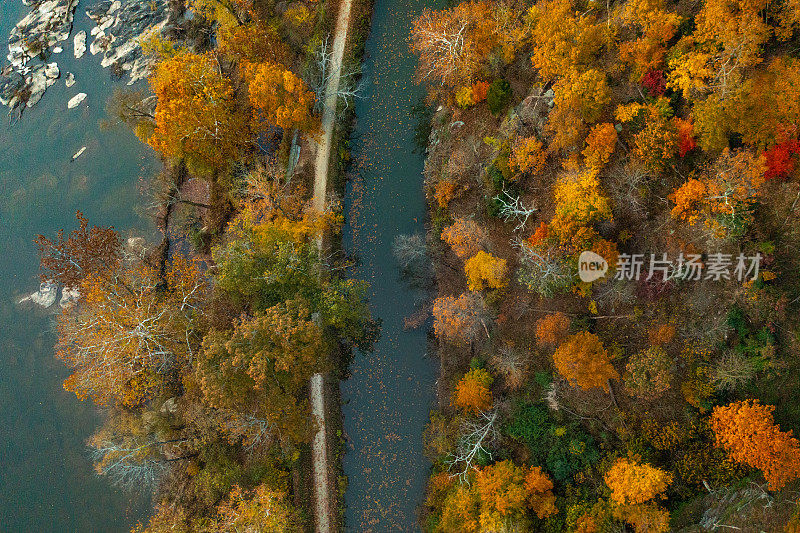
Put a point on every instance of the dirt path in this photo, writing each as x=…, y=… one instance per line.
x=329, y=111
x=323, y=510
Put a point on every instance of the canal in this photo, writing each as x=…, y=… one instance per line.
x=388, y=397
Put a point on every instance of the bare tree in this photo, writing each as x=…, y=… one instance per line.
x=350, y=85
x=512, y=208
x=733, y=370
x=475, y=435
x=542, y=272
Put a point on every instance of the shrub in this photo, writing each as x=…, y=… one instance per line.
x=498, y=96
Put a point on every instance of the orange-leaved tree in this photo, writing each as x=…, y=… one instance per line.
x=279, y=97
x=552, y=329
x=583, y=359
x=484, y=270
x=473, y=392
x=747, y=431
x=460, y=320
x=600, y=145
x=196, y=116
x=539, y=487
x=454, y=44
x=466, y=237
x=633, y=483
x=527, y=155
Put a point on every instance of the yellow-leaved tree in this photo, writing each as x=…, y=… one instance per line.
x=583, y=359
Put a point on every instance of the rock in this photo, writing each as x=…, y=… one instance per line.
x=79, y=44
x=69, y=297
x=120, y=30
x=48, y=23
x=38, y=33
x=39, y=80
x=70, y=81
x=45, y=296
x=78, y=153
x=76, y=100
x=52, y=71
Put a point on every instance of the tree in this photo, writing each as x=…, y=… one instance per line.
x=454, y=44
x=279, y=97
x=253, y=43
x=261, y=367
x=579, y=204
x=460, y=510
x=484, y=270
x=460, y=320
x=527, y=155
x=226, y=13
x=600, y=144
x=552, y=329
x=633, y=483
x=580, y=100
x=539, y=487
x=648, y=373
x=501, y=488
x=196, y=116
x=724, y=196
x=747, y=431
x=466, y=237
x=582, y=359
x=132, y=330
x=473, y=392
x=262, y=510
x=84, y=252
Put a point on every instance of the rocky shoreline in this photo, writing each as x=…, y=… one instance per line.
x=120, y=28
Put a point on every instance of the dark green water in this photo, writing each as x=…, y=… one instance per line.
x=46, y=477
x=391, y=391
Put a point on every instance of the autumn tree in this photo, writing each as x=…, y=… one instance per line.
x=633, y=487
x=196, y=116
x=132, y=330
x=600, y=144
x=454, y=44
x=539, y=487
x=263, y=509
x=473, y=392
x=261, y=367
x=485, y=271
x=724, y=196
x=253, y=43
x=580, y=203
x=460, y=319
x=465, y=236
x=527, y=155
x=747, y=431
x=279, y=97
x=580, y=100
x=226, y=13
x=583, y=359
x=94, y=251
x=648, y=373
x=552, y=329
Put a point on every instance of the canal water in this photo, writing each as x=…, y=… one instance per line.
x=388, y=397
x=46, y=477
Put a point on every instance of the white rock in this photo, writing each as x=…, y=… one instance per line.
x=52, y=72
x=79, y=44
x=76, y=100
x=69, y=297
x=45, y=296
x=57, y=50
x=70, y=81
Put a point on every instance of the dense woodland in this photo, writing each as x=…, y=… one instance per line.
x=652, y=403
x=663, y=403
x=199, y=350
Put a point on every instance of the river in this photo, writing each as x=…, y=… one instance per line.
x=388, y=397
x=46, y=479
